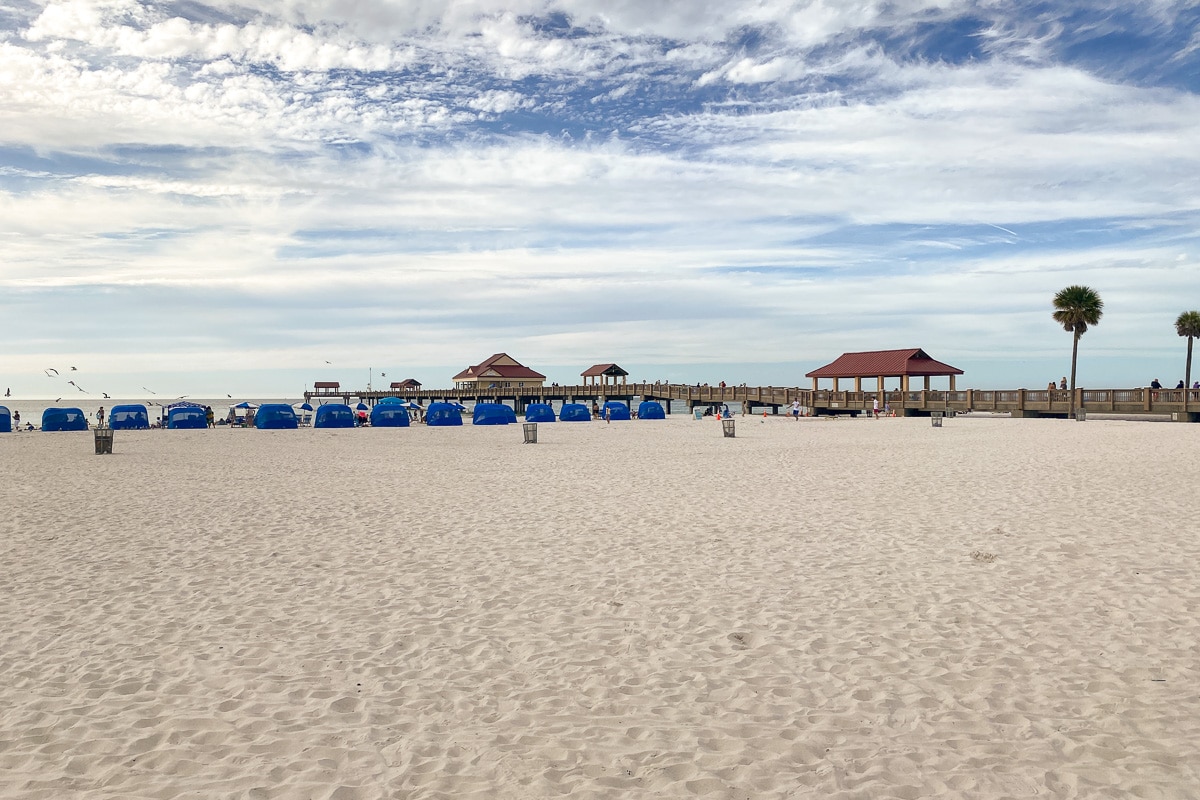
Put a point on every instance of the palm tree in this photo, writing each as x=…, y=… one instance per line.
x=1075, y=308
x=1188, y=324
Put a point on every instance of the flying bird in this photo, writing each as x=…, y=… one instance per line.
x=106, y=397
x=149, y=390
x=49, y=370
x=74, y=369
x=229, y=396
x=8, y=392
x=57, y=399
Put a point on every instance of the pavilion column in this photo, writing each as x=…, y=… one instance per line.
x=927, y=383
x=814, y=384
x=879, y=385
x=835, y=384
x=952, y=383
x=857, y=384
x=904, y=383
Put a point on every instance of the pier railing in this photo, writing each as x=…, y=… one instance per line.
x=1021, y=402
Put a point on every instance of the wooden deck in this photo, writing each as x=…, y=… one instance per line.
x=1180, y=404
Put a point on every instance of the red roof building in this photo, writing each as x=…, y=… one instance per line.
x=601, y=374
x=501, y=371
x=881, y=364
x=408, y=384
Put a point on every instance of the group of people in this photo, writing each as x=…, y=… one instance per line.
x=1155, y=384
x=1062, y=385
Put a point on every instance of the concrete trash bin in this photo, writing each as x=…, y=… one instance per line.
x=530, y=429
x=1081, y=415
x=937, y=419
x=104, y=440
x=727, y=428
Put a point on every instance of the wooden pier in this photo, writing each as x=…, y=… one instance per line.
x=1182, y=405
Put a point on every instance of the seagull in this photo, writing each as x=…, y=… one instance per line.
x=74, y=369
x=49, y=370
x=106, y=397
x=149, y=390
x=229, y=396
x=328, y=362
x=57, y=399
x=8, y=392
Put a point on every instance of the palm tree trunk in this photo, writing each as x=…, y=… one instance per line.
x=1074, y=357
x=1187, y=376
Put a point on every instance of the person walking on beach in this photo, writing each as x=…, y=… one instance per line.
x=875, y=407
x=209, y=417
x=607, y=415
x=796, y=410
x=100, y=417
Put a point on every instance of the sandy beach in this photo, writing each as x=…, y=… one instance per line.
x=818, y=609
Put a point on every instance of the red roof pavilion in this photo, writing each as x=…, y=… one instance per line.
x=880, y=364
x=499, y=369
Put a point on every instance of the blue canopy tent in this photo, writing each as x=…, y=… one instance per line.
x=389, y=400
x=333, y=415
x=616, y=410
x=389, y=415
x=132, y=417
x=539, y=412
x=5, y=420
x=443, y=415
x=651, y=409
x=493, y=414
x=574, y=412
x=64, y=419
x=275, y=416
x=182, y=416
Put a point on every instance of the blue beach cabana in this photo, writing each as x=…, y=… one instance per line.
x=574, y=412
x=443, y=415
x=616, y=410
x=651, y=409
x=187, y=416
x=5, y=420
x=132, y=417
x=276, y=416
x=493, y=414
x=389, y=415
x=64, y=419
x=333, y=415
x=539, y=412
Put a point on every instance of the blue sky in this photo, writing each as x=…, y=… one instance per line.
x=207, y=199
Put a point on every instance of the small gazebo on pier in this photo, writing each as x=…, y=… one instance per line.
x=603, y=375
x=882, y=364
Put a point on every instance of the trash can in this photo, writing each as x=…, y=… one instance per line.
x=727, y=428
x=104, y=440
x=530, y=429
x=937, y=419
x=1081, y=415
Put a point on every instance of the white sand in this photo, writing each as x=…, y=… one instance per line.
x=851, y=609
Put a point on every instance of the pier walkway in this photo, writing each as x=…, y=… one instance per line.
x=1182, y=405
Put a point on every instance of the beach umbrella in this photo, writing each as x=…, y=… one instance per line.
x=305, y=407
x=245, y=405
x=361, y=407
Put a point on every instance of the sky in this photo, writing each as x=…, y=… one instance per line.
x=203, y=198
